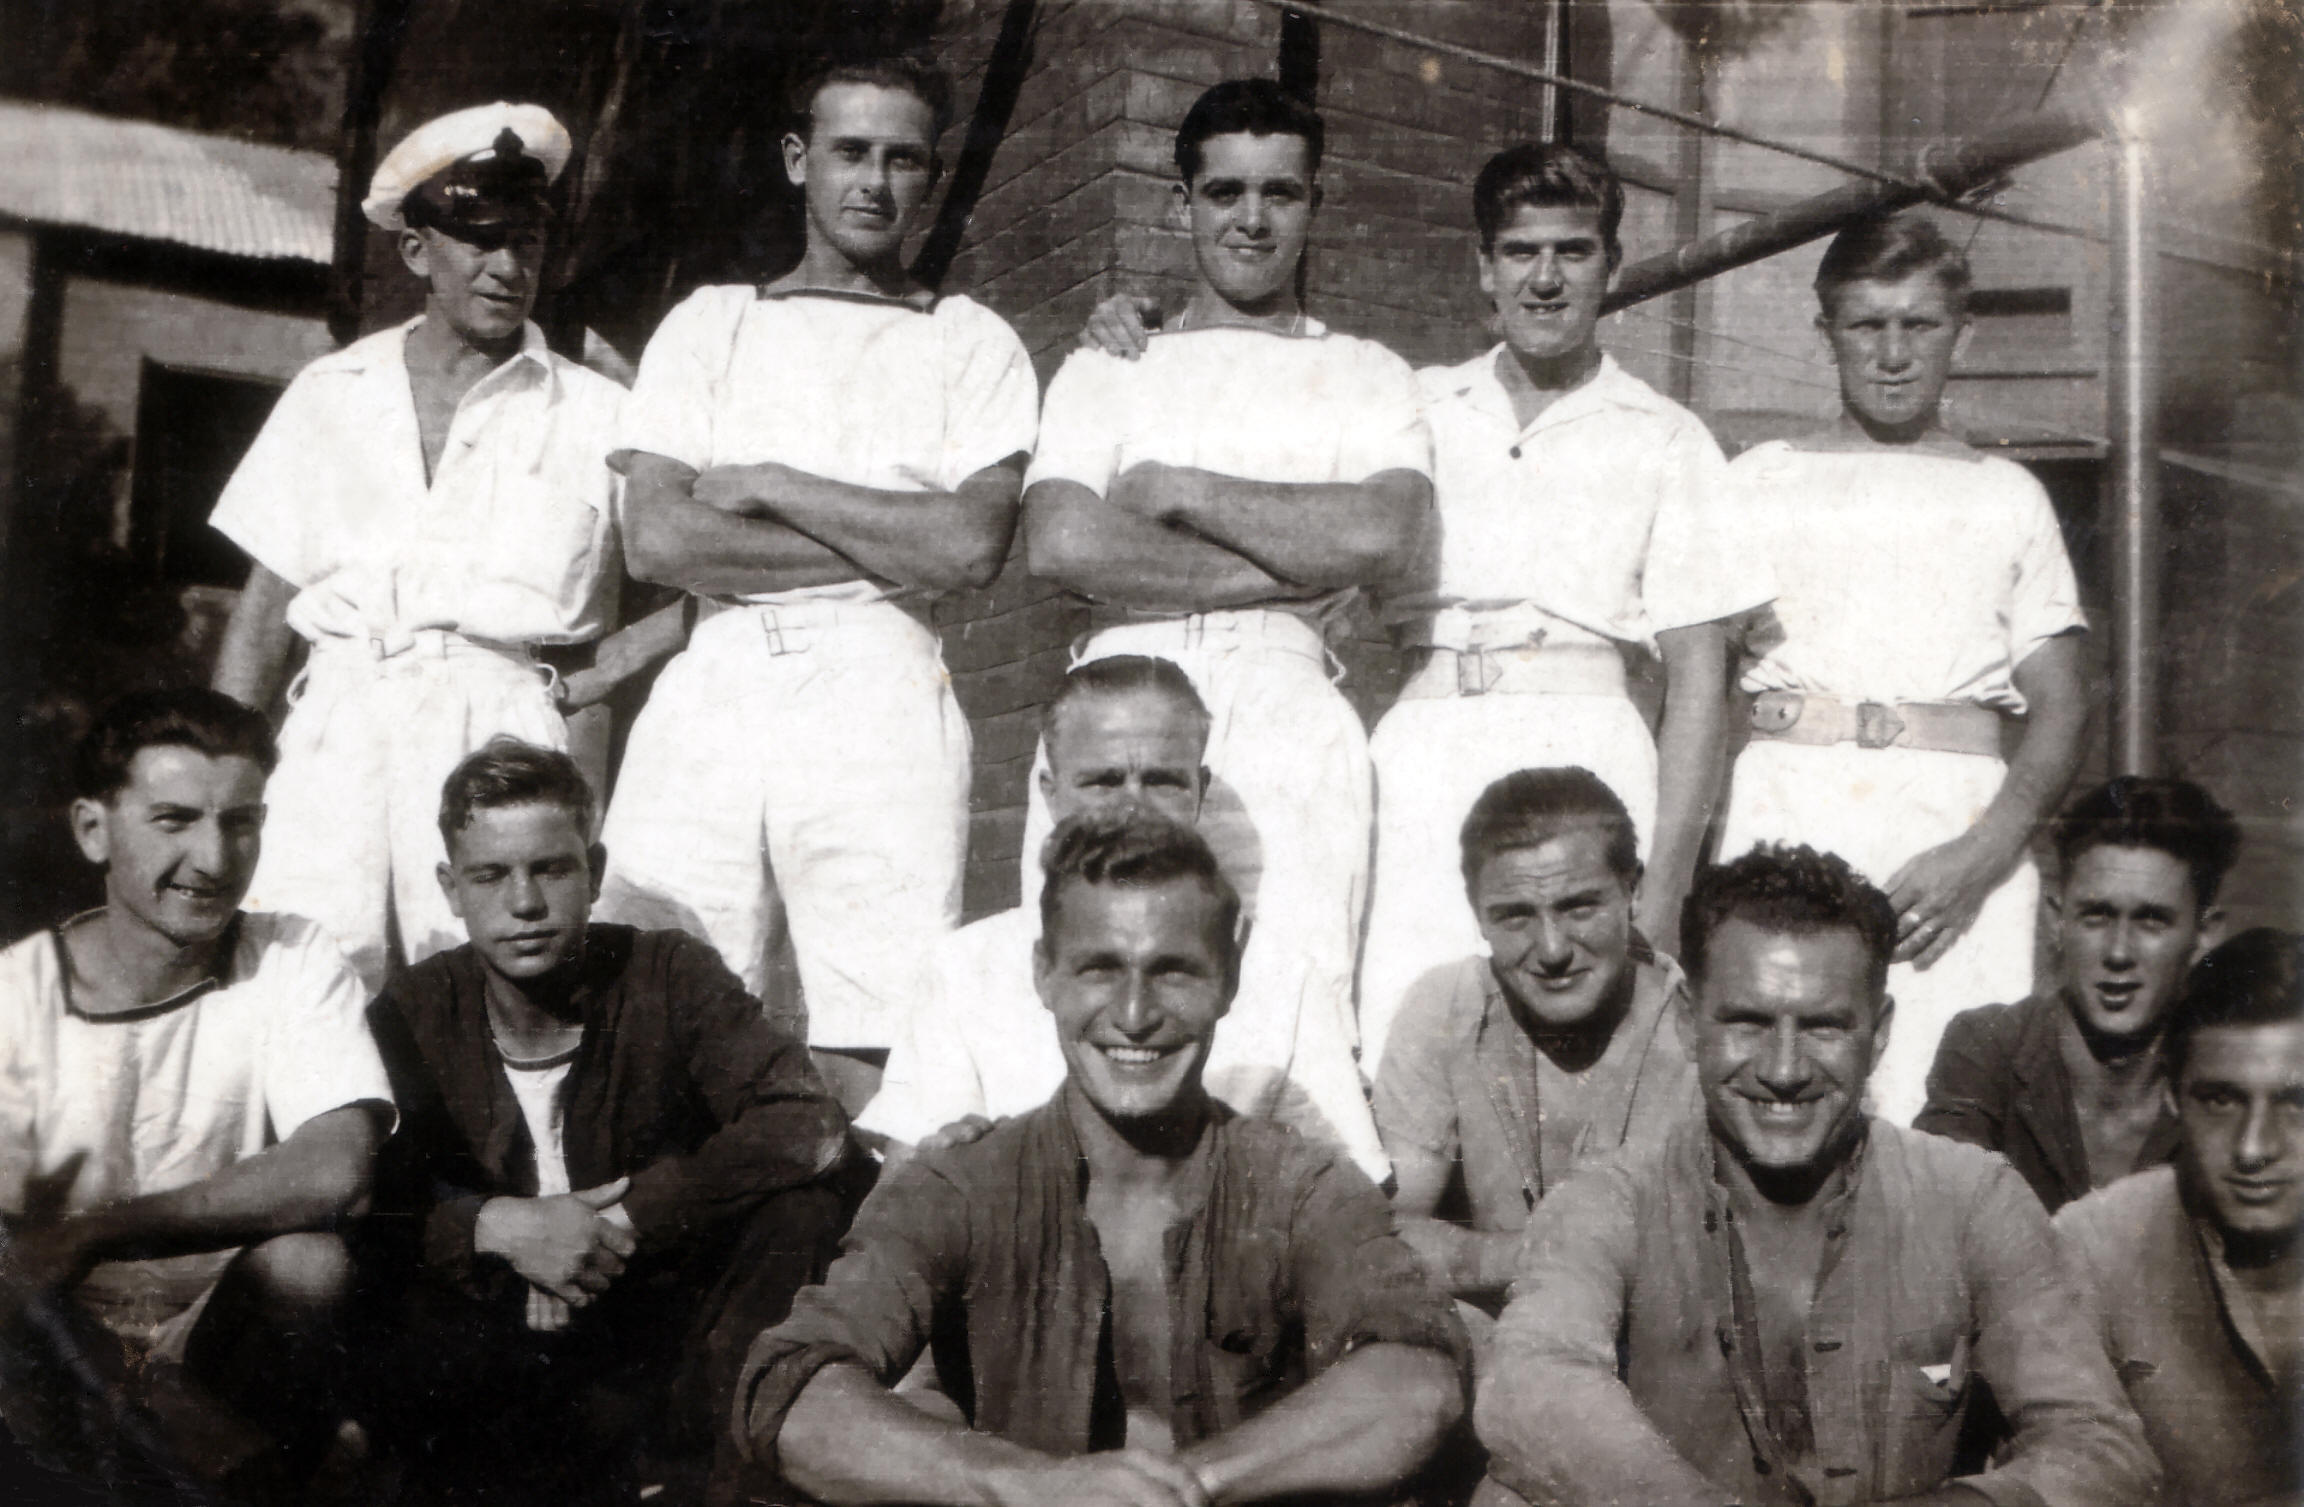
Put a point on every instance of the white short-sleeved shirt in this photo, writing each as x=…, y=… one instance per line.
x=1606, y=519
x=513, y=539
x=982, y=1044
x=1904, y=577
x=1257, y=404
x=872, y=392
x=152, y=1100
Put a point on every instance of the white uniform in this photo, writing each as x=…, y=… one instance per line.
x=1604, y=522
x=1311, y=408
x=1921, y=577
x=421, y=602
x=980, y=1044
x=151, y=1100
x=812, y=735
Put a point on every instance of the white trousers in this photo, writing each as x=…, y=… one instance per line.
x=802, y=766
x=351, y=831
x=1878, y=808
x=1433, y=759
x=1290, y=760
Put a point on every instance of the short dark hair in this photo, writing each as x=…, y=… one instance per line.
x=1529, y=807
x=1787, y=889
x=509, y=772
x=1888, y=249
x=913, y=73
x=2256, y=979
x=1134, y=851
x=194, y=717
x=1124, y=675
x=2175, y=816
x=1546, y=175
x=1251, y=106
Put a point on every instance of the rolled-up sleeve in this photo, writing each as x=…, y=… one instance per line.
x=1080, y=426
x=1358, y=1281
x=2076, y=1441
x=779, y=1127
x=907, y=1251
x=1558, y=1421
x=671, y=407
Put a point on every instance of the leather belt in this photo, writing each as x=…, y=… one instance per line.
x=1939, y=726
x=1521, y=670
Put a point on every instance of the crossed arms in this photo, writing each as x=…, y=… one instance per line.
x=767, y=527
x=1179, y=539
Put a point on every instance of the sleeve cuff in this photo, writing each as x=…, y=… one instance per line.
x=775, y=1374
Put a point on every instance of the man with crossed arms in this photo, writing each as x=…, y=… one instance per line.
x=822, y=452
x=1229, y=493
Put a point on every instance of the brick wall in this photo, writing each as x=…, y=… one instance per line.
x=1078, y=205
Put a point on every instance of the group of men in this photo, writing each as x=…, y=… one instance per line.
x=528, y=1152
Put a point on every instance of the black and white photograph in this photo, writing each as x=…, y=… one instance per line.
x=1151, y=753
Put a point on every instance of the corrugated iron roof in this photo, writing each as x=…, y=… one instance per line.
x=131, y=177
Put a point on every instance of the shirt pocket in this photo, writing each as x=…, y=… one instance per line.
x=1929, y=1371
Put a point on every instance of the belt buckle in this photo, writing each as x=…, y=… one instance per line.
x=1473, y=672
x=1877, y=725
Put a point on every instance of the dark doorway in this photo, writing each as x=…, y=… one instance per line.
x=192, y=427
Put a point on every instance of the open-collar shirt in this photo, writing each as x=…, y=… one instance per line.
x=1623, y=1374
x=512, y=539
x=985, y=1254
x=2186, y=1342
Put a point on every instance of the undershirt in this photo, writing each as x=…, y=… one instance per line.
x=536, y=1084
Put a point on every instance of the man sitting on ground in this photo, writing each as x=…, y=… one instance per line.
x=189, y=1105
x=1787, y=1301
x=2071, y=1086
x=613, y=1164
x=2196, y=1272
x=1133, y=1295
x=1509, y=1070
x=1123, y=734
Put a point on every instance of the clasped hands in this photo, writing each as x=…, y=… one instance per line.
x=569, y=1246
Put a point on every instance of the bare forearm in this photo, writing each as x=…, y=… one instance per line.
x=702, y=550
x=1691, y=741
x=942, y=541
x=257, y=641
x=629, y=651
x=2042, y=767
x=1106, y=554
x=316, y=1177
x=1463, y=1262
x=912, y=1458
x=1371, y=1420
x=1329, y=535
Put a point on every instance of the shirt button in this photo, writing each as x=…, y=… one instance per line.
x=1828, y=1344
x=1839, y=1470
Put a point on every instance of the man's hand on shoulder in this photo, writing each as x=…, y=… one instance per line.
x=566, y=1244
x=1122, y=326
x=1113, y=1478
x=961, y=1132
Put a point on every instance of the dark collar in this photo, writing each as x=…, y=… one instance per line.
x=227, y=955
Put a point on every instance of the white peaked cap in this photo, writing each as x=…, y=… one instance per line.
x=440, y=144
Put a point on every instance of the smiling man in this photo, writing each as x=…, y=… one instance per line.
x=1786, y=1301
x=1223, y=499
x=1508, y=1071
x=1123, y=734
x=611, y=1174
x=189, y=1103
x=1924, y=596
x=2071, y=1086
x=430, y=510
x=826, y=454
x=1582, y=516
x=1135, y=1296
x=2196, y=1272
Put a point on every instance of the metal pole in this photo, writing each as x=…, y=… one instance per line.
x=1946, y=171
x=2135, y=462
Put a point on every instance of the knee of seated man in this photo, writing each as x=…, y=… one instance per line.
x=306, y=1272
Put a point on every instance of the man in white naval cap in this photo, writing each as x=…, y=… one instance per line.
x=430, y=508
